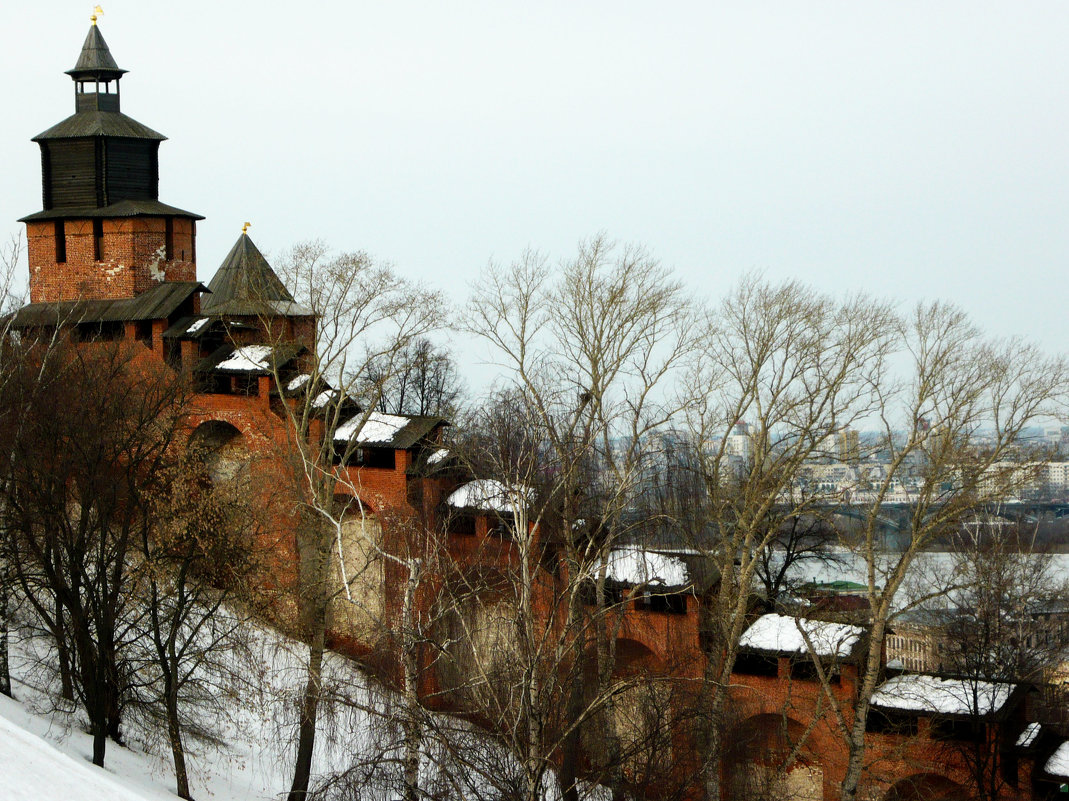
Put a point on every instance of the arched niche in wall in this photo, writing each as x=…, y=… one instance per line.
x=760, y=766
x=221, y=451
x=357, y=594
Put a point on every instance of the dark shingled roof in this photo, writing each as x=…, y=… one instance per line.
x=99, y=123
x=418, y=427
x=245, y=285
x=180, y=328
x=95, y=60
x=124, y=208
x=157, y=303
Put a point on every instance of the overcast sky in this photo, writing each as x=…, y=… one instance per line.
x=911, y=149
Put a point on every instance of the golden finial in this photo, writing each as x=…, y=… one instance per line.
x=245, y=227
x=96, y=13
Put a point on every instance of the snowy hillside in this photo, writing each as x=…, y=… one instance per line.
x=49, y=764
x=46, y=756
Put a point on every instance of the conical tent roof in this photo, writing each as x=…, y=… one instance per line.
x=245, y=285
x=95, y=59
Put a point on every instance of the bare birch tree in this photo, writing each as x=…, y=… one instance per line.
x=589, y=351
x=958, y=412
x=794, y=366
x=364, y=313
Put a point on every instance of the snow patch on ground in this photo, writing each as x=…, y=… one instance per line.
x=35, y=769
x=46, y=756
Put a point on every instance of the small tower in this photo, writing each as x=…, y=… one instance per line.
x=245, y=290
x=103, y=233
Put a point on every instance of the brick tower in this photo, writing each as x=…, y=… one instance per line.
x=103, y=233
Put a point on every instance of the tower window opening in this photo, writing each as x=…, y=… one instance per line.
x=98, y=239
x=61, y=242
x=143, y=332
x=168, y=239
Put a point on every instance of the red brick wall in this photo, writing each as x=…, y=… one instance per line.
x=130, y=258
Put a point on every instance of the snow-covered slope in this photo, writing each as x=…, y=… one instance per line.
x=34, y=768
x=46, y=756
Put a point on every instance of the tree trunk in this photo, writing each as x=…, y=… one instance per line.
x=5, y=667
x=411, y=725
x=566, y=776
x=853, y=765
x=713, y=764
x=302, y=771
x=100, y=742
x=66, y=682
x=570, y=749
x=174, y=735
x=98, y=724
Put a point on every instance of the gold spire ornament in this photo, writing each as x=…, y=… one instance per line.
x=245, y=227
x=96, y=13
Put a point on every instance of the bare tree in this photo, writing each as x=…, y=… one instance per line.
x=10, y=255
x=422, y=380
x=73, y=514
x=193, y=571
x=1007, y=625
x=364, y=314
x=957, y=414
x=794, y=366
x=590, y=351
x=799, y=541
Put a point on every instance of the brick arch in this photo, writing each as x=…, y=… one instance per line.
x=634, y=657
x=248, y=429
x=349, y=504
x=222, y=449
x=640, y=716
x=926, y=787
x=758, y=749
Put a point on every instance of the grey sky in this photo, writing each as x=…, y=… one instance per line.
x=912, y=149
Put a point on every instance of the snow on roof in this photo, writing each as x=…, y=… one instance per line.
x=299, y=381
x=322, y=399
x=1029, y=735
x=487, y=495
x=1058, y=764
x=781, y=633
x=378, y=427
x=247, y=357
x=921, y=693
x=634, y=565
x=439, y=455
x=197, y=325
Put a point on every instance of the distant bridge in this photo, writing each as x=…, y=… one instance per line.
x=895, y=519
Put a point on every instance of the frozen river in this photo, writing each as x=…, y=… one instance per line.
x=929, y=570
